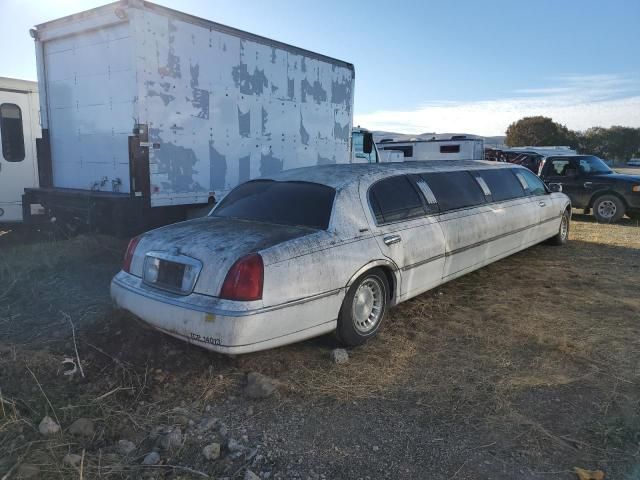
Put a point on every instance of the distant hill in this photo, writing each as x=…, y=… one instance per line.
x=489, y=141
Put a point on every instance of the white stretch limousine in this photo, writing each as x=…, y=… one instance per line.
x=330, y=248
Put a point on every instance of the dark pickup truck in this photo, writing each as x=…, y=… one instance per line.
x=591, y=184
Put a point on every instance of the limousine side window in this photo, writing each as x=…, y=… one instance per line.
x=531, y=182
x=395, y=199
x=454, y=189
x=502, y=183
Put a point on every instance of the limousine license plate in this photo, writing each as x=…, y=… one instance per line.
x=164, y=273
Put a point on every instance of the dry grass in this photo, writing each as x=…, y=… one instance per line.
x=496, y=347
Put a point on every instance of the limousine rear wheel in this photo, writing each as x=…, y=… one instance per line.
x=363, y=308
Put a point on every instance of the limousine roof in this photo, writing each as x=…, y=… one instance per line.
x=340, y=175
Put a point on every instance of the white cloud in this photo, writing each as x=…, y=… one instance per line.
x=579, y=102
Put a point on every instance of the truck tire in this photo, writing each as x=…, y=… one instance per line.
x=363, y=308
x=608, y=209
x=562, y=236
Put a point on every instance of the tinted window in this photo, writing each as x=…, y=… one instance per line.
x=593, y=165
x=394, y=199
x=449, y=148
x=502, y=183
x=559, y=166
x=454, y=189
x=533, y=184
x=285, y=203
x=12, y=134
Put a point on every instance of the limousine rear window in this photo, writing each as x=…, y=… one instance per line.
x=394, y=199
x=285, y=203
x=454, y=189
x=502, y=183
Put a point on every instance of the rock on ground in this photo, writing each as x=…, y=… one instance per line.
x=125, y=447
x=339, y=356
x=72, y=459
x=152, y=458
x=249, y=475
x=28, y=470
x=172, y=439
x=48, y=426
x=211, y=451
x=82, y=427
x=260, y=386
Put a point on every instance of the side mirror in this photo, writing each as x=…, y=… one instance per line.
x=367, y=145
x=555, y=187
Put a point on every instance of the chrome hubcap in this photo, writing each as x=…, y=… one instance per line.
x=564, y=227
x=607, y=209
x=367, y=305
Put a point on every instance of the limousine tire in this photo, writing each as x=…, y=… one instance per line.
x=562, y=236
x=608, y=209
x=363, y=308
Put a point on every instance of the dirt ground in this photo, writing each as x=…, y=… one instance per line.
x=522, y=370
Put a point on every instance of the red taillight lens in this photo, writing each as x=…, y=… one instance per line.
x=128, y=256
x=244, y=279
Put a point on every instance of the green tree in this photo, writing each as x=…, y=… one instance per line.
x=615, y=143
x=539, y=131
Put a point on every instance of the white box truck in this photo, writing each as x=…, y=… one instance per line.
x=453, y=147
x=148, y=113
x=19, y=128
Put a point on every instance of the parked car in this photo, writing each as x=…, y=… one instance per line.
x=330, y=248
x=634, y=162
x=591, y=184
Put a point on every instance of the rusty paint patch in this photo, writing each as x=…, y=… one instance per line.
x=270, y=164
x=341, y=132
x=249, y=83
x=318, y=93
x=217, y=168
x=304, y=135
x=325, y=161
x=244, y=169
x=244, y=123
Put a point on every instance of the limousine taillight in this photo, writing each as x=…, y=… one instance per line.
x=244, y=279
x=128, y=256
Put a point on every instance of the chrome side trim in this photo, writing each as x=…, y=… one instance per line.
x=220, y=311
x=369, y=266
x=477, y=244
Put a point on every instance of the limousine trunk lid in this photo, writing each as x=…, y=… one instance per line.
x=205, y=248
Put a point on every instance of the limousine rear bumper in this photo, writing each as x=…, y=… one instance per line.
x=205, y=321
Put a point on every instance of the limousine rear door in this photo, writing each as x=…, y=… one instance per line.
x=407, y=232
x=477, y=229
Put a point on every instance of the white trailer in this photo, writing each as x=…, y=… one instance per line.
x=19, y=128
x=456, y=147
x=148, y=112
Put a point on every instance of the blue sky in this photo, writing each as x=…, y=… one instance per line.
x=445, y=66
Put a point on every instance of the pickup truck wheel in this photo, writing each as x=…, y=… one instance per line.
x=562, y=236
x=363, y=308
x=608, y=209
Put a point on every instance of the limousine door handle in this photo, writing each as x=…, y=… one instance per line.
x=542, y=204
x=391, y=239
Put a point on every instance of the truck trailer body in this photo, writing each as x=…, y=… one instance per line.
x=19, y=128
x=153, y=109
